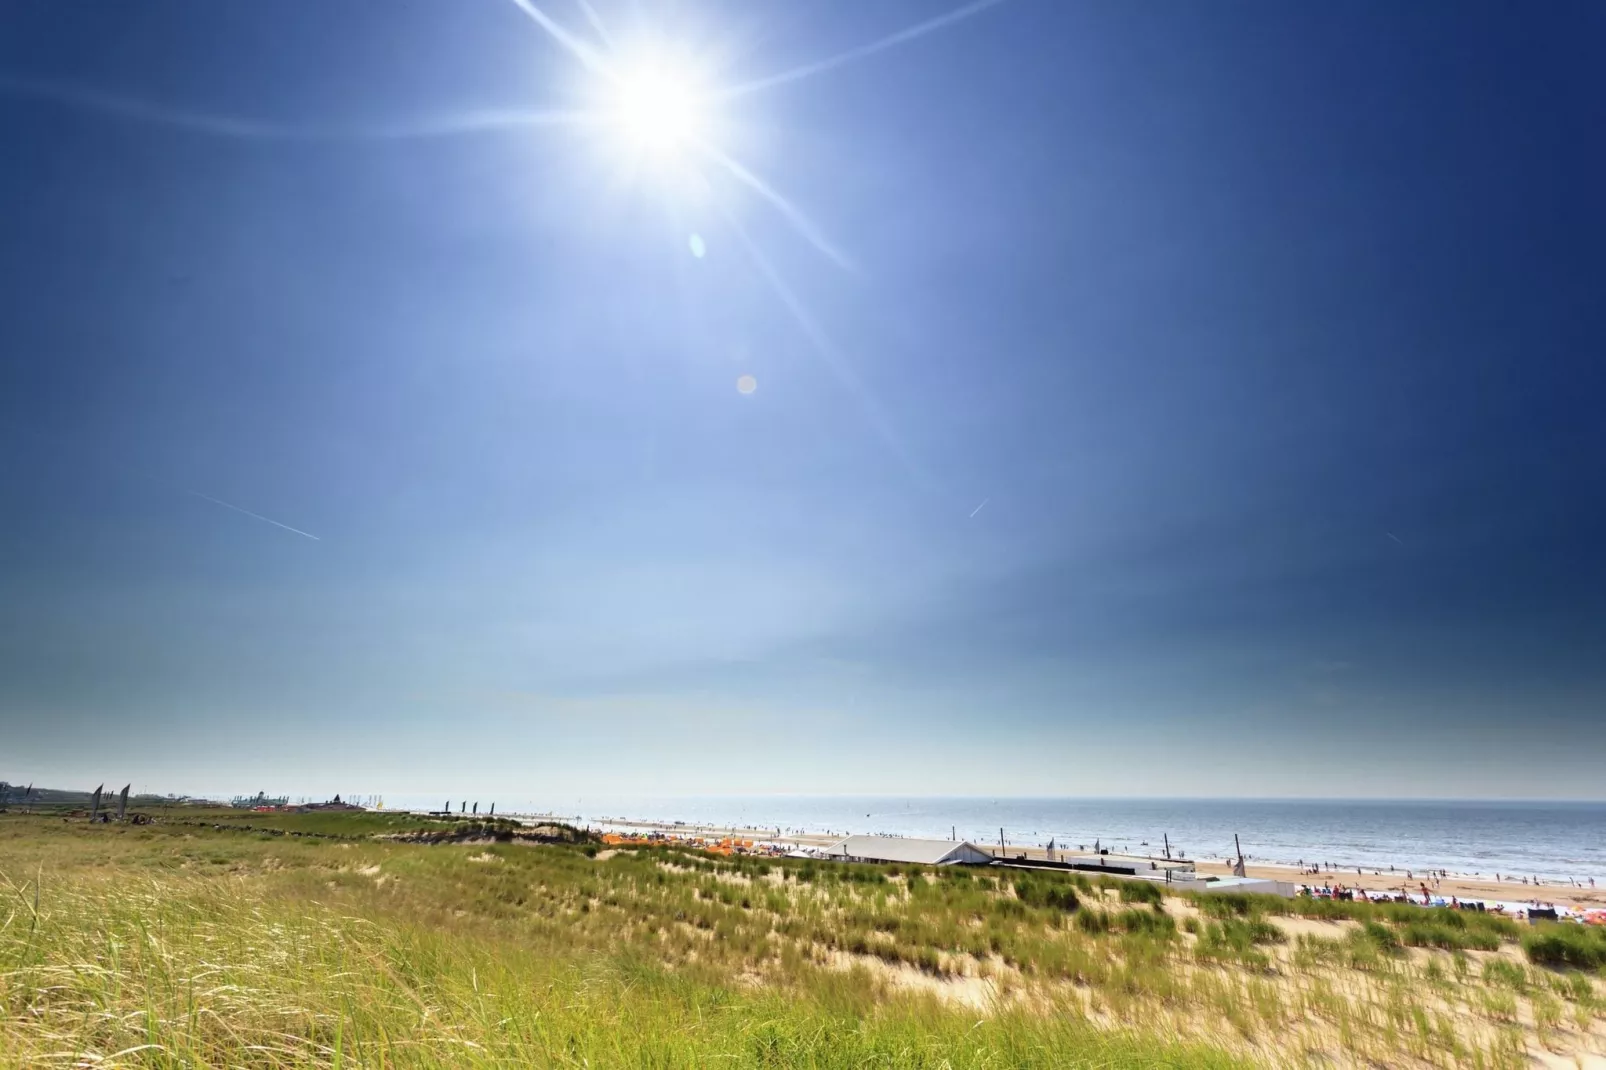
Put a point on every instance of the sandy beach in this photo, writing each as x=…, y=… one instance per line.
x=1461, y=886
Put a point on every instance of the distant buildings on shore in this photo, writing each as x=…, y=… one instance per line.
x=258, y=801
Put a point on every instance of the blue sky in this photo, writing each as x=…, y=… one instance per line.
x=1266, y=339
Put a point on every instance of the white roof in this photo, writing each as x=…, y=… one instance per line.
x=904, y=849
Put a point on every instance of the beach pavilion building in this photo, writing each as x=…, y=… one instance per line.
x=905, y=849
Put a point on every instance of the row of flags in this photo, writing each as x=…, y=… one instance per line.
x=95, y=799
x=122, y=803
x=94, y=802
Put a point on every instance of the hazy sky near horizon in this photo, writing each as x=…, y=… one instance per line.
x=1076, y=398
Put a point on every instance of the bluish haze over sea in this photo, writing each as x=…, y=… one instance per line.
x=1552, y=840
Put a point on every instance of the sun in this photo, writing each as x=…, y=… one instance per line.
x=658, y=110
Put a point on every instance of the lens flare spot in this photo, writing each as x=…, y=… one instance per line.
x=698, y=249
x=746, y=384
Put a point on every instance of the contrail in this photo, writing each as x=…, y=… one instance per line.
x=979, y=508
x=794, y=215
x=255, y=516
x=226, y=126
x=1393, y=536
x=576, y=47
x=808, y=70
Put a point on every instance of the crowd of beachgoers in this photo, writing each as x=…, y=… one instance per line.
x=1529, y=910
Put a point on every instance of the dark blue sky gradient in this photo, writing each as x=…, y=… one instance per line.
x=1269, y=334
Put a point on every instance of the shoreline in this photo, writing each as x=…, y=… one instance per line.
x=1374, y=879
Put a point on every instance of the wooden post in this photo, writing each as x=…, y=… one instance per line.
x=1167, y=845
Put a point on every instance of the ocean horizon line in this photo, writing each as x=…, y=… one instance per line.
x=1471, y=800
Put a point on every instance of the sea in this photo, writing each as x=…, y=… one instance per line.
x=1555, y=841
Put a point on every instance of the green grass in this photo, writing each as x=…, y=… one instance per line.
x=217, y=974
x=1576, y=947
x=1135, y=891
x=184, y=945
x=355, y=823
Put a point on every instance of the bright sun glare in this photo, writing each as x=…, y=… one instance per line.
x=658, y=108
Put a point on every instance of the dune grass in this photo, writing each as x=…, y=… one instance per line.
x=218, y=974
x=1566, y=946
x=179, y=945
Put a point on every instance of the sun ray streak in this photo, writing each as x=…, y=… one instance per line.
x=576, y=47
x=476, y=122
x=794, y=215
x=225, y=126
x=596, y=23
x=835, y=360
x=808, y=70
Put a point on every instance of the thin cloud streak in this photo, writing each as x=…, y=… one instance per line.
x=808, y=70
x=255, y=516
x=794, y=215
x=140, y=111
x=979, y=508
x=576, y=47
